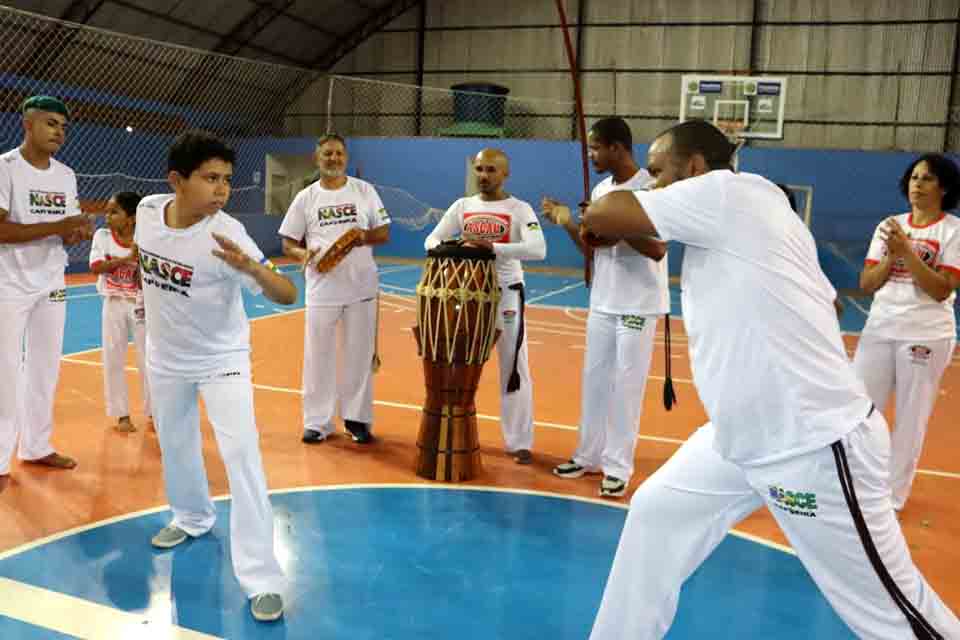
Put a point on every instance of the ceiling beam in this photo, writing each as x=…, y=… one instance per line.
x=310, y=24
x=356, y=35
x=81, y=10
x=251, y=25
x=209, y=32
x=363, y=5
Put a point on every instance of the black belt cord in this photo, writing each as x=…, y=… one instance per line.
x=669, y=395
x=514, y=383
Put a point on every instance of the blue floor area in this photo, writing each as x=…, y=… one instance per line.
x=83, y=303
x=419, y=563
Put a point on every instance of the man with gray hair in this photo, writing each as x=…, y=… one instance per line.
x=344, y=295
x=39, y=213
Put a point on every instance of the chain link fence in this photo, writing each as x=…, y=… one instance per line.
x=366, y=107
x=130, y=97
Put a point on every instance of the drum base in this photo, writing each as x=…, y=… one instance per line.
x=448, y=447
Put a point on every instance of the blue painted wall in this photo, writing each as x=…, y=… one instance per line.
x=853, y=190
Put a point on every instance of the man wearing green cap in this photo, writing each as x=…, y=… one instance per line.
x=39, y=213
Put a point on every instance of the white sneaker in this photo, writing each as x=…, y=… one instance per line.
x=611, y=487
x=266, y=607
x=569, y=469
x=169, y=537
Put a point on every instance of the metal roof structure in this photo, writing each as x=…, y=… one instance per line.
x=314, y=34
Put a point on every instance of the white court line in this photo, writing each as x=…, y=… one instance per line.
x=483, y=416
x=85, y=619
x=565, y=427
x=67, y=358
x=856, y=304
x=384, y=285
x=82, y=618
x=555, y=292
x=418, y=484
x=396, y=269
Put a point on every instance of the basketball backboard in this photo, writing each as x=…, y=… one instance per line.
x=743, y=106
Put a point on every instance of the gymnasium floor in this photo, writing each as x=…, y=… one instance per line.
x=372, y=550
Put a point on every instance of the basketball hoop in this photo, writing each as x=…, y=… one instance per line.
x=734, y=132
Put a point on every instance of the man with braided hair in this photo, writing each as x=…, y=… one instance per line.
x=344, y=293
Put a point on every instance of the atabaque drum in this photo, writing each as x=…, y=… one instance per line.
x=457, y=300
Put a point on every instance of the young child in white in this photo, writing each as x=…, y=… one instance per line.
x=194, y=261
x=113, y=258
x=508, y=226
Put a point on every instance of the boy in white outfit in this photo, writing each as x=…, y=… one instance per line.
x=113, y=258
x=194, y=260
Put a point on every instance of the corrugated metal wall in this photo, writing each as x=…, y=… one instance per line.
x=866, y=74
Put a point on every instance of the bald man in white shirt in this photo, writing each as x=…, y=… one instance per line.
x=508, y=226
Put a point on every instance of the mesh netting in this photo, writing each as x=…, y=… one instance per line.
x=130, y=97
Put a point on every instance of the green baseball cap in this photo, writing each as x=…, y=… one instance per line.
x=45, y=103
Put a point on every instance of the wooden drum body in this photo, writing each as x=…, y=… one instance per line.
x=457, y=302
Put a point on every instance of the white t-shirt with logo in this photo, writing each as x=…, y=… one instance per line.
x=193, y=302
x=123, y=280
x=626, y=282
x=31, y=196
x=768, y=359
x=901, y=310
x=323, y=215
x=510, y=224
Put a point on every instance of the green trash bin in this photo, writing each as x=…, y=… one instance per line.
x=478, y=110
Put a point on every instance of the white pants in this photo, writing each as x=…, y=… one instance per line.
x=120, y=320
x=912, y=368
x=228, y=397
x=337, y=364
x=615, y=368
x=516, y=407
x=31, y=345
x=682, y=512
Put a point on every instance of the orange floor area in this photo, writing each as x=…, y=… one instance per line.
x=120, y=473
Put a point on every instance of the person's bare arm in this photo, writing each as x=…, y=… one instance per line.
x=292, y=249
x=875, y=275
x=15, y=233
x=276, y=286
x=618, y=215
x=552, y=211
x=650, y=247
x=936, y=283
x=377, y=235
x=110, y=265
